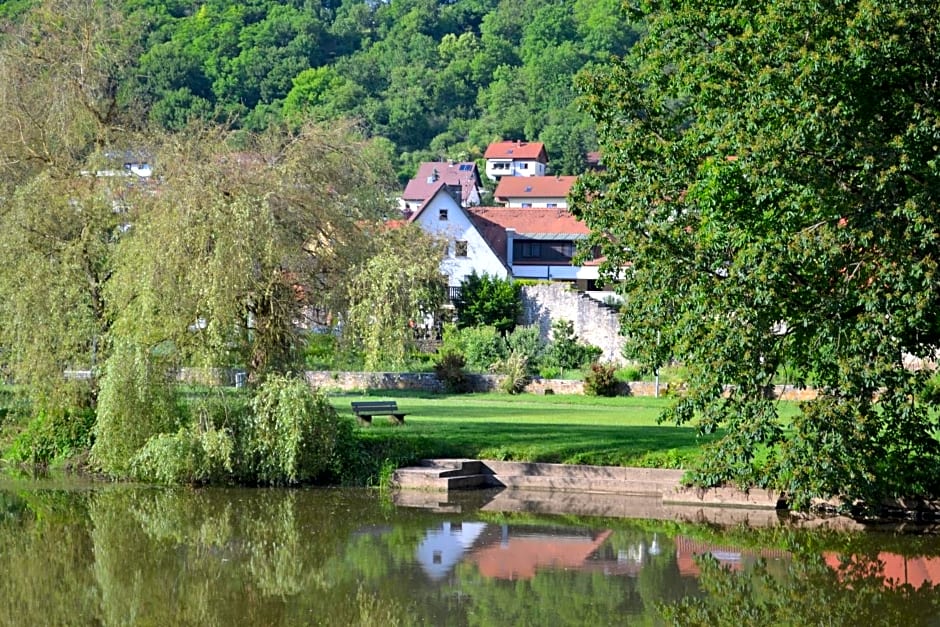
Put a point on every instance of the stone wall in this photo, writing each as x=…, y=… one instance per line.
x=428, y=382
x=594, y=322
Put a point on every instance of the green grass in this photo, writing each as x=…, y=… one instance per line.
x=562, y=429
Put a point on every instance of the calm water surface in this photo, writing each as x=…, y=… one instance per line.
x=121, y=555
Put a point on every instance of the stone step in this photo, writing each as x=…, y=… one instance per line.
x=586, y=484
x=587, y=473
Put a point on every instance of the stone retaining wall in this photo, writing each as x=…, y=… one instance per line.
x=428, y=382
x=594, y=322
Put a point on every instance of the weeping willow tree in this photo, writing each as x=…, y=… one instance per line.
x=230, y=249
x=59, y=118
x=392, y=293
x=110, y=281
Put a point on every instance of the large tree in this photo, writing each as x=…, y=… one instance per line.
x=60, y=64
x=770, y=205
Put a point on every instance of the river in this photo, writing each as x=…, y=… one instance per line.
x=77, y=553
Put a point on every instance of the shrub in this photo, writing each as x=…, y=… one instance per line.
x=319, y=351
x=191, y=455
x=601, y=380
x=293, y=434
x=930, y=392
x=527, y=340
x=449, y=368
x=630, y=373
x=488, y=301
x=515, y=369
x=480, y=346
x=566, y=352
x=53, y=435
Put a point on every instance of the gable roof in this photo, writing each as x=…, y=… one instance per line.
x=430, y=173
x=439, y=188
x=542, y=224
x=534, y=187
x=516, y=150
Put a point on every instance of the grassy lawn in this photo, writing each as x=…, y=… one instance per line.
x=560, y=428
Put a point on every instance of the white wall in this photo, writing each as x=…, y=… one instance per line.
x=457, y=227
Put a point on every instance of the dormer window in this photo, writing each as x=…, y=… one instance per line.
x=442, y=215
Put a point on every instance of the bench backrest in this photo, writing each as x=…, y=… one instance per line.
x=374, y=406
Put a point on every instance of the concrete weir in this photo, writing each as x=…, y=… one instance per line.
x=564, y=480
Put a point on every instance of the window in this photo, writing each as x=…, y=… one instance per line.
x=460, y=248
x=551, y=205
x=442, y=214
x=523, y=166
x=526, y=205
x=564, y=250
x=530, y=250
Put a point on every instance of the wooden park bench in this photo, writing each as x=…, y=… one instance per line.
x=364, y=411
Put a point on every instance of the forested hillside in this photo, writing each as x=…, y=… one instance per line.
x=437, y=79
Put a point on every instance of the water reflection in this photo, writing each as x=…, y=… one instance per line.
x=118, y=555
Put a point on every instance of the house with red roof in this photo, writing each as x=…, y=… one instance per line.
x=506, y=242
x=515, y=158
x=463, y=175
x=534, y=191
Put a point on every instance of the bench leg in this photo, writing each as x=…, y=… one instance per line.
x=398, y=419
x=364, y=420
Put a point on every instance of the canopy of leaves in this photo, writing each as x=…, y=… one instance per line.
x=488, y=300
x=770, y=205
x=439, y=79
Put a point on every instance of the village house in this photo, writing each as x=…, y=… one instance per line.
x=515, y=158
x=463, y=175
x=534, y=191
x=506, y=242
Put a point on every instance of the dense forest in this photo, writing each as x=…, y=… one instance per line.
x=437, y=79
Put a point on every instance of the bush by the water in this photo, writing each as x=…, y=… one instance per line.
x=293, y=434
x=53, y=435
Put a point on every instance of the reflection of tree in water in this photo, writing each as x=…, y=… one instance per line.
x=46, y=552
x=808, y=592
x=151, y=556
x=551, y=597
x=218, y=557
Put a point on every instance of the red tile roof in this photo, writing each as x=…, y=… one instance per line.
x=424, y=183
x=530, y=220
x=534, y=187
x=492, y=223
x=516, y=150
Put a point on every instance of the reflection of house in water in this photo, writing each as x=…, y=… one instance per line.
x=897, y=570
x=518, y=555
x=443, y=548
x=518, y=552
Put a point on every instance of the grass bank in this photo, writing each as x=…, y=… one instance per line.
x=567, y=429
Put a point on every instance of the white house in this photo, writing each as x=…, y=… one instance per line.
x=506, y=242
x=515, y=158
x=467, y=251
x=534, y=191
